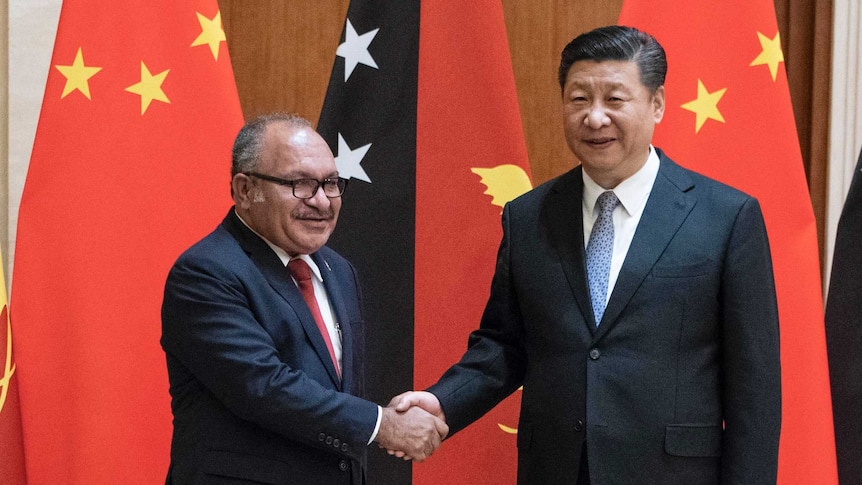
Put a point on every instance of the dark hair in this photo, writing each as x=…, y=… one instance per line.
x=618, y=43
x=246, y=146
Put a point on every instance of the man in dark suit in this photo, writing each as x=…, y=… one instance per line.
x=263, y=333
x=633, y=299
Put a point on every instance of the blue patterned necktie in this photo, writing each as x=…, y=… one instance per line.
x=599, y=250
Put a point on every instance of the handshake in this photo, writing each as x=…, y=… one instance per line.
x=413, y=426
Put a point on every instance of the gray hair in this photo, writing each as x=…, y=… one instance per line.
x=246, y=147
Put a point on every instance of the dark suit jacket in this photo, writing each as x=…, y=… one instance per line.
x=680, y=384
x=255, y=395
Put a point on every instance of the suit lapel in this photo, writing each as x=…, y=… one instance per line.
x=333, y=292
x=561, y=215
x=278, y=277
x=667, y=208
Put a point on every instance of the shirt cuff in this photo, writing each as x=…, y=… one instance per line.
x=376, y=426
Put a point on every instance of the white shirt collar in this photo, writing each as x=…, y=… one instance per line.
x=282, y=254
x=632, y=192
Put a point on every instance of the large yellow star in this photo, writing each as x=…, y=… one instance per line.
x=77, y=76
x=150, y=88
x=212, y=33
x=771, y=54
x=705, y=106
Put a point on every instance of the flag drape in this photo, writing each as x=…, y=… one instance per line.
x=729, y=116
x=369, y=121
x=12, y=470
x=130, y=165
x=471, y=158
x=844, y=334
x=433, y=94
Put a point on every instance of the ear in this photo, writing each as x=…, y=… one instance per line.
x=241, y=187
x=658, y=104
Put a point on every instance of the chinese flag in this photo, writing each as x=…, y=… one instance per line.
x=422, y=110
x=11, y=445
x=729, y=116
x=131, y=165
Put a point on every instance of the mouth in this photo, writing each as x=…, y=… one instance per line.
x=315, y=218
x=599, y=141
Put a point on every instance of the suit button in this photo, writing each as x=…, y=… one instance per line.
x=595, y=354
x=579, y=426
x=342, y=465
x=321, y=437
x=329, y=440
x=344, y=447
x=336, y=442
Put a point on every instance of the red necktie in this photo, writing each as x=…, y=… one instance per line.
x=302, y=274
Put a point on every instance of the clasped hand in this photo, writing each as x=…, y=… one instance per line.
x=413, y=426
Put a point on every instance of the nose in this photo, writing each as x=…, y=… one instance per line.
x=319, y=199
x=596, y=117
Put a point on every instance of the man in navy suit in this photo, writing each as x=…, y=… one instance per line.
x=263, y=333
x=645, y=335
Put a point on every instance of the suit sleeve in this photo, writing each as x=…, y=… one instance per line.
x=750, y=346
x=494, y=365
x=212, y=338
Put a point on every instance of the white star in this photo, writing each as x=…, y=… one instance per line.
x=348, y=161
x=354, y=50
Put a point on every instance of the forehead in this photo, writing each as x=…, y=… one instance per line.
x=588, y=73
x=295, y=149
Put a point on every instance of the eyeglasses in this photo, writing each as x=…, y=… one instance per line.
x=307, y=188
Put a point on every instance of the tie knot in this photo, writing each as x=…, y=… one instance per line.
x=299, y=269
x=607, y=201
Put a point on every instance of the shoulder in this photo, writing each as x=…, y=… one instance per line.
x=699, y=185
x=570, y=182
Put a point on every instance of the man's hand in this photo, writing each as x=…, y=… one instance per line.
x=412, y=434
x=423, y=399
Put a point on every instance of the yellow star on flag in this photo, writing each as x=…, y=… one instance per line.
x=705, y=106
x=212, y=33
x=77, y=76
x=772, y=55
x=150, y=88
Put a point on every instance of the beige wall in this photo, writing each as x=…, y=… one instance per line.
x=30, y=41
x=4, y=134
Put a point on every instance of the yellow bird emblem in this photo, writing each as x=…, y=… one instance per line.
x=504, y=182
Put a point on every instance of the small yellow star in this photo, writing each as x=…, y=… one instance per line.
x=771, y=55
x=150, y=88
x=705, y=106
x=212, y=33
x=77, y=76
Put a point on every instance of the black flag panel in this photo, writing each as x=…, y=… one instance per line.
x=369, y=121
x=844, y=334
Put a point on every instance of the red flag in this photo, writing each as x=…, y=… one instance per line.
x=471, y=158
x=729, y=116
x=11, y=444
x=131, y=164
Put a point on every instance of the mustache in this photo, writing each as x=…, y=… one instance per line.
x=313, y=214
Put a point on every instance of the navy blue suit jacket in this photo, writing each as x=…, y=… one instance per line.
x=680, y=384
x=255, y=395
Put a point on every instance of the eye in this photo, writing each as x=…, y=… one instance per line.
x=304, y=183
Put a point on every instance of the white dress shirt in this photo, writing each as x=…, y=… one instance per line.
x=323, y=303
x=633, y=193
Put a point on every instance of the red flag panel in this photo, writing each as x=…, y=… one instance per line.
x=130, y=166
x=471, y=158
x=12, y=450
